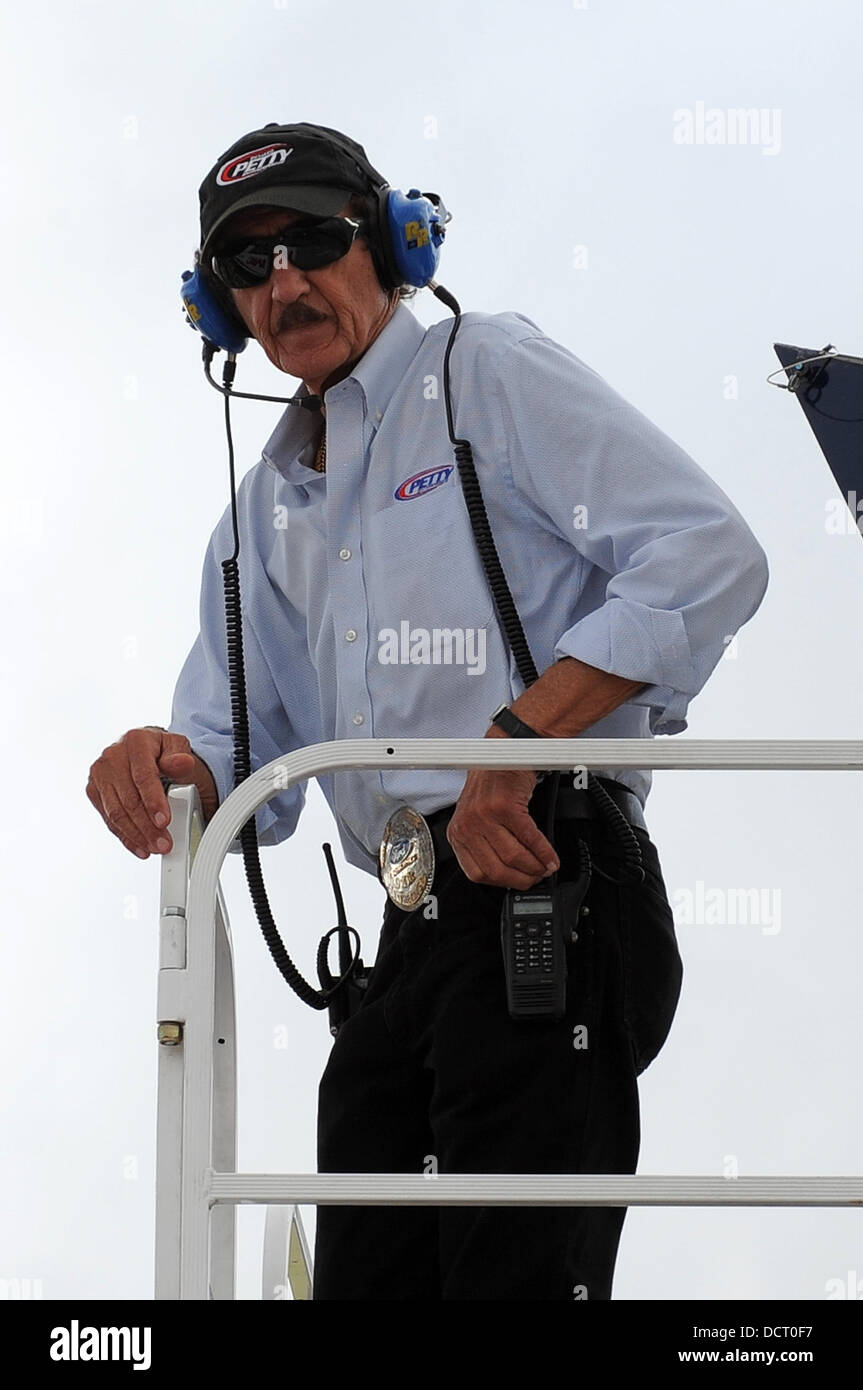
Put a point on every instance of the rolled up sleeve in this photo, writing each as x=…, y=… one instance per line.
x=683, y=571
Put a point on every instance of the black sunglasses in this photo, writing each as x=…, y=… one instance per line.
x=248, y=262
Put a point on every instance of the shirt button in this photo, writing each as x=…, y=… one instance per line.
x=350, y=635
x=379, y=414
x=344, y=553
x=359, y=718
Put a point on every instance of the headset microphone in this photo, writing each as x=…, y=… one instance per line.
x=226, y=388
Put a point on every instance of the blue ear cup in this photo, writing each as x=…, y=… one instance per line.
x=205, y=312
x=415, y=234
x=407, y=233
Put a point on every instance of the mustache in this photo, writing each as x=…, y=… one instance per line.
x=297, y=316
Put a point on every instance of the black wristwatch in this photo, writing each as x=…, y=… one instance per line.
x=516, y=728
x=512, y=725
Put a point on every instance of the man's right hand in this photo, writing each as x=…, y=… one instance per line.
x=125, y=787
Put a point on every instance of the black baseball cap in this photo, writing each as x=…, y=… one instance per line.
x=290, y=166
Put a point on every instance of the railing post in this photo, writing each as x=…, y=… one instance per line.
x=224, y=1219
x=186, y=831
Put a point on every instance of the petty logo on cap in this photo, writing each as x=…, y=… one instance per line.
x=245, y=166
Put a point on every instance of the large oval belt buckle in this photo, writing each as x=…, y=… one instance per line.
x=407, y=858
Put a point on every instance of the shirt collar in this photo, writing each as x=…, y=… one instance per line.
x=378, y=373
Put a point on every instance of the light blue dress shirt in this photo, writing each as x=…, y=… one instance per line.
x=618, y=549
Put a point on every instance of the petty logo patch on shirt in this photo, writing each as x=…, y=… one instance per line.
x=420, y=483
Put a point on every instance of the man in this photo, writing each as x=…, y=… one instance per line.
x=630, y=570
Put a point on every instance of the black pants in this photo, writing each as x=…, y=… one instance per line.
x=432, y=1075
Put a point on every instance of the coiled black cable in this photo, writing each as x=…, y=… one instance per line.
x=508, y=613
x=315, y=998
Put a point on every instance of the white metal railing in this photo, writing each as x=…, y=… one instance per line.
x=197, y=1187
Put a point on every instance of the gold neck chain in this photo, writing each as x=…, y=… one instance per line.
x=320, y=460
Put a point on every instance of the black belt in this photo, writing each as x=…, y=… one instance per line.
x=573, y=803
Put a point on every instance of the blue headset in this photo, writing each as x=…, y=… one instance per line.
x=406, y=233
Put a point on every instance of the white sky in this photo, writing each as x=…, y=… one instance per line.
x=544, y=129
